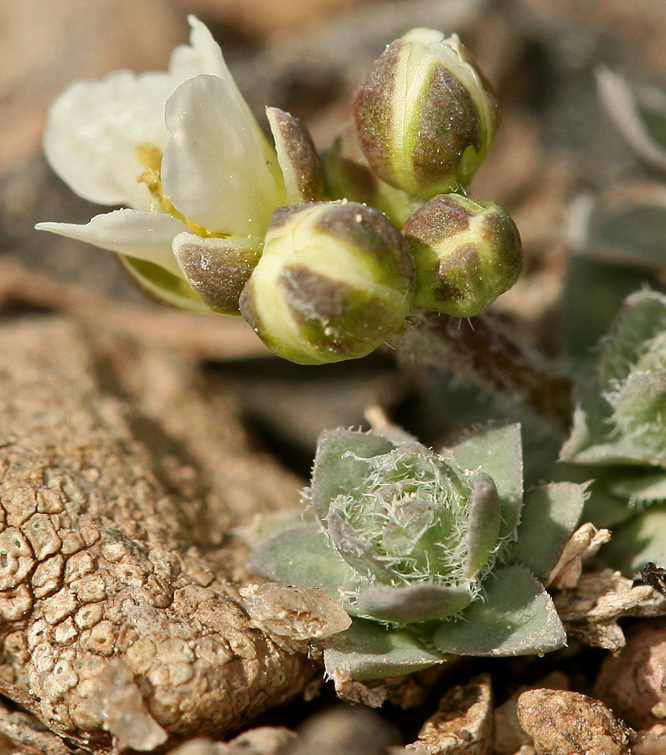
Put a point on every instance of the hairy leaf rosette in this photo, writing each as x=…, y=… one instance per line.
x=431, y=553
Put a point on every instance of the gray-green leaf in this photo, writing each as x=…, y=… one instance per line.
x=517, y=617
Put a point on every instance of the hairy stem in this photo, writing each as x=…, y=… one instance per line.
x=478, y=350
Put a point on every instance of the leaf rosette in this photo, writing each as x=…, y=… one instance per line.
x=431, y=553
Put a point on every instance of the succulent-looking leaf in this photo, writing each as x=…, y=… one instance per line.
x=645, y=485
x=621, y=414
x=368, y=650
x=643, y=126
x=549, y=517
x=484, y=517
x=415, y=603
x=638, y=541
x=517, y=617
x=642, y=319
x=304, y=557
x=339, y=468
x=497, y=450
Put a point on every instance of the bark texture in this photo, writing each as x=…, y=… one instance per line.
x=114, y=623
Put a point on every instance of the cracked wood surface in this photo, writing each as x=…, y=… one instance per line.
x=116, y=616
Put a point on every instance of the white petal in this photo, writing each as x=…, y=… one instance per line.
x=214, y=170
x=143, y=235
x=93, y=131
x=202, y=55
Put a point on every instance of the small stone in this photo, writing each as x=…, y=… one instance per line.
x=568, y=723
x=633, y=683
x=463, y=722
x=300, y=613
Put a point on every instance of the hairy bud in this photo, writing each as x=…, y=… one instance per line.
x=334, y=282
x=426, y=115
x=217, y=269
x=466, y=253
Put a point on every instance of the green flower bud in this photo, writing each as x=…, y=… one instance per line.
x=426, y=115
x=466, y=253
x=334, y=282
x=348, y=176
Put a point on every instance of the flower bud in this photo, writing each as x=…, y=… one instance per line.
x=426, y=115
x=217, y=268
x=466, y=253
x=348, y=176
x=334, y=282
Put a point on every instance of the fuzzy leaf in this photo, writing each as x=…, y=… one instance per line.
x=640, y=540
x=414, y=603
x=517, y=617
x=644, y=485
x=304, y=557
x=643, y=317
x=497, y=450
x=602, y=508
x=369, y=650
x=632, y=234
x=550, y=514
x=336, y=470
x=485, y=519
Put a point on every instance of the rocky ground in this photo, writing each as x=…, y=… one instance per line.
x=138, y=445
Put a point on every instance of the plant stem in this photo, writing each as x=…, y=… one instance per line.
x=478, y=350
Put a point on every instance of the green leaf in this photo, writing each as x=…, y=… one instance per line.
x=304, y=557
x=485, y=519
x=517, y=617
x=550, y=514
x=632, y=234
x=414, y=603
x=642, y=318
x=369, y=650
x=496, y=450
x=642, y=485
x=638, y=541
x=337, y=471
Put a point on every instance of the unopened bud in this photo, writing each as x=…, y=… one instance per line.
x=297, y=155
x=349, y=176
x=335, y=280
x=466, y=253
x=217, y=268
x=426, y=115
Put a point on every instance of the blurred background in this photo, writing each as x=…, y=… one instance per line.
x=560, y=165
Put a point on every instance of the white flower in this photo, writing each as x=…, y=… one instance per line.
x=180, y=150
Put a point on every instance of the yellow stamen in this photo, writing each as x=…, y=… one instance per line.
x=151, y=156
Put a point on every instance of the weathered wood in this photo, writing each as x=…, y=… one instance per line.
x=112, y=620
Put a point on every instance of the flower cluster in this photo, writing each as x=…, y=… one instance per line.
x=411, y=540
x=324, y=258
